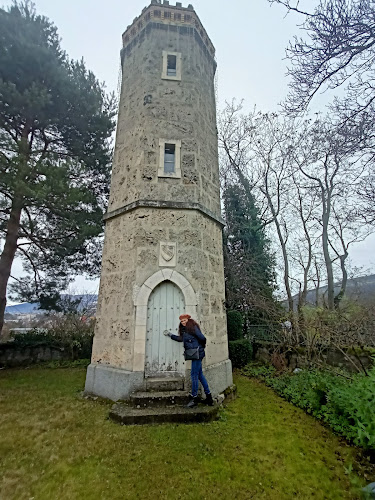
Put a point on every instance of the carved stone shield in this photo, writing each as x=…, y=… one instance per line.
x=168, y=252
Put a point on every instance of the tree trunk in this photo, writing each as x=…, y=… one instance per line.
x=344, y=281
x=325, y=244
x=7, y=256
x=11, y=238
x=328, y=262
x=317, y=284
x=285, y=255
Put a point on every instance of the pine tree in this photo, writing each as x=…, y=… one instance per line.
x=55, y=152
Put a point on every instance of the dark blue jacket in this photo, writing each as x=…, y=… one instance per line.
x=192, y=341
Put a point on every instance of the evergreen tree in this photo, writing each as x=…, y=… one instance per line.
x=249, y=263
x=55, y=152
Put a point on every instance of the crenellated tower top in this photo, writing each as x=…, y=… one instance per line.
x=165, y=14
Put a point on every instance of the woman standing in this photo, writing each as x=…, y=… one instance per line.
x=194, y=340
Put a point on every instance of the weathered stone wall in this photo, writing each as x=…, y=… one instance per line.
x=152, y=108
x=131, y=255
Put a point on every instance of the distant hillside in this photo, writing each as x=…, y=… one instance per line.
x=361, y=289
x=87, y=301
x=25, y=308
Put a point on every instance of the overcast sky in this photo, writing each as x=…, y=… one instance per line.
x=250, y=38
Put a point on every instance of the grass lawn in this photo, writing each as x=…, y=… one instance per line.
x=56, y=445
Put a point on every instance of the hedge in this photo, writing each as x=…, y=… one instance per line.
x=240, y=352
x=235, y=325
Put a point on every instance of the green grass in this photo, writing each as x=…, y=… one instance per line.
x=56, y=445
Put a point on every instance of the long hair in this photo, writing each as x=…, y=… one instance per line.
x=190, y=327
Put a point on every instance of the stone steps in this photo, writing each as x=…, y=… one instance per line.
x=158, y=384
x=158, y=399
x=126, y=414
x=164, y=401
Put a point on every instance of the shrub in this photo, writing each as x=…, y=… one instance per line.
x=68, y=332
x=240, y=352
x=351, y=407
x=348, y=406
x=235, y=325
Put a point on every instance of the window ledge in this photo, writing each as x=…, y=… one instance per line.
x=172, y=175
x=176, y=78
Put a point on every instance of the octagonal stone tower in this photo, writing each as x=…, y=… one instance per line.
x=162, y=252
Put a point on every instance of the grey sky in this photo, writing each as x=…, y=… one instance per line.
x=249, y=36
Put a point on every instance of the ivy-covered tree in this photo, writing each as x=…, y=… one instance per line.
x=249, y=262
x=55, y=152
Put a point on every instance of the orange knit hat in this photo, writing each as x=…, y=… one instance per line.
x=184, y=316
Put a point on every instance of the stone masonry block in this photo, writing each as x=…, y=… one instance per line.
x=154, y=280
x=180, y=280
x=147, y=256
x=142, y=296
x=190, y=296
x=167, y=273
x=141, y=316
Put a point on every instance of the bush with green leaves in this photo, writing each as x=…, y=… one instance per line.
x=240, y=352
x=345, y=404
x=235, y=325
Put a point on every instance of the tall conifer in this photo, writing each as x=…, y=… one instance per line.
x=249, y=262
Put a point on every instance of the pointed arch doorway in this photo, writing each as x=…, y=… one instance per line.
x=163, y=356
x=142, y=322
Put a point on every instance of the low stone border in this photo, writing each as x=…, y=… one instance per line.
x=12, y=356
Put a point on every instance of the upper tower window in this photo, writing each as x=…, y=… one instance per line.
x=171, y=65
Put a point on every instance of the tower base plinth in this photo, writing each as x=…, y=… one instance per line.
x=117, y=384
x=113, y=383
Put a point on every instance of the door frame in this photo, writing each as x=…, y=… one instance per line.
x=141, y=302
x=163, y=357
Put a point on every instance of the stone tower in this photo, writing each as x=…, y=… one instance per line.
x=163, y=239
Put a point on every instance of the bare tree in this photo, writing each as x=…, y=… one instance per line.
x=334, y=169
x=257, y=149
x=304, y=176
x=337, y=50
x=366, y=194
x=307, y=235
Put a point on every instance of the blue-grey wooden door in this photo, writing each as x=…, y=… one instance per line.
x=164, y=355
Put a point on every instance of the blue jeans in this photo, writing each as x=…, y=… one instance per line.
x=196, y=375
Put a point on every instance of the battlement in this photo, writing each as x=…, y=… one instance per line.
x=164, y=13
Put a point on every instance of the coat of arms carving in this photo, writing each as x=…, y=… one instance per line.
x=167, y=252
x=167, y=255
